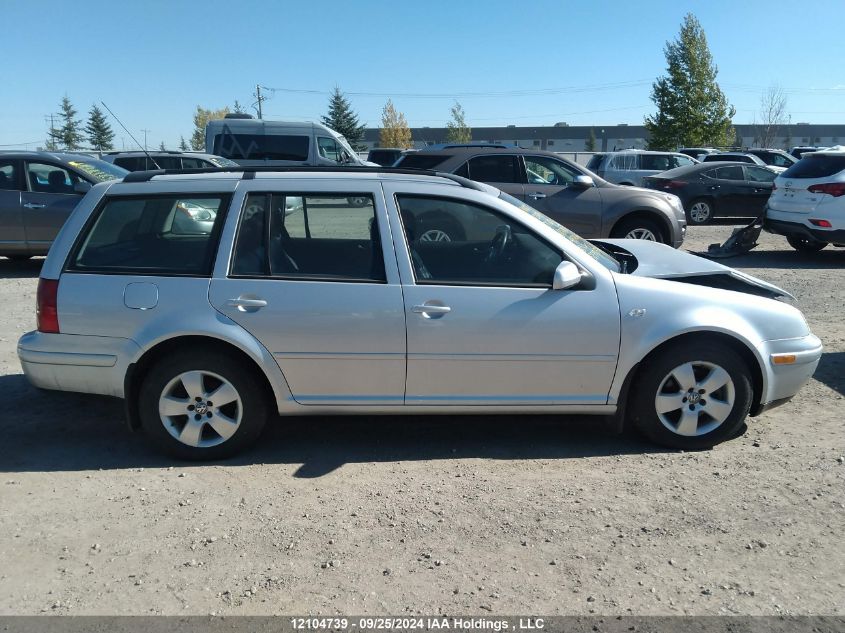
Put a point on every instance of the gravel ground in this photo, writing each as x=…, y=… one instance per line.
x=429, y=515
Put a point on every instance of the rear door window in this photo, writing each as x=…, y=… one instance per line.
x=759, y=174
x=494, y=168
x=733, y=172
x=162, y=234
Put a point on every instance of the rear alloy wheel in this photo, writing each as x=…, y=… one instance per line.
x=805, y=244
x=692, y=396
x=638, y=229
x=202, y=406
x=700, y=212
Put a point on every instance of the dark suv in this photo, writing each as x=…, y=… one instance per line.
x=566, y=192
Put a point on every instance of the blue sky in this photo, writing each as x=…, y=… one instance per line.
x=588, y=63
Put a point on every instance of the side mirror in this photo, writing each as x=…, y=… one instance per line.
x=583, y=182
x=82, y=187
x=566, y=276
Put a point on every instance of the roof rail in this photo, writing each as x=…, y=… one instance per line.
x=249, y=172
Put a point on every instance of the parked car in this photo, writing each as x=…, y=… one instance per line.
x=709, y=190
x=38, y=191
x=697, y=153
x=808, y=204
x=140, y=161
x=566, y=192
x=341, y=309
x=257, y=142
x=629, y=167
x=799, y=151
x=739, y=157
x=384, y=156
x=773, y=157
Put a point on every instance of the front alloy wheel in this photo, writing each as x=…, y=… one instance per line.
x=695, y=398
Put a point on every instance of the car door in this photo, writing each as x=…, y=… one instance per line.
x=503, y=171
x=49, y=200
x=12, y=234
x=311, y=282
x=727, y=187
x=759, y=183
x=484, y=326
x=551, y=189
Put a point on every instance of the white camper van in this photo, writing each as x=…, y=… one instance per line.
x=253, y=142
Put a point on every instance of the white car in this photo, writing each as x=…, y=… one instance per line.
x=807, y=205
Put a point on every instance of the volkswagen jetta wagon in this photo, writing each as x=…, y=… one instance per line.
x=329, y=307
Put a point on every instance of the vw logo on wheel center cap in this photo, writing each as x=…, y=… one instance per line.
x=201, y=408
x=694, y=397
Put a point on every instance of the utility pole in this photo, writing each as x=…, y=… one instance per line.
x=259, y=99
x=145, y=138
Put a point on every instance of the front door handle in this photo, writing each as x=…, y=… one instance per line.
x=244, y=304
x=713, y=188
x=34, y=205
x=431, y=311
x=536, y=195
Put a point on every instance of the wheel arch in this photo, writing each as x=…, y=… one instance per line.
x=138, y=369
x=736, y=344
x=646, y=214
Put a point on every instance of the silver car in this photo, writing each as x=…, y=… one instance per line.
x=338, y=308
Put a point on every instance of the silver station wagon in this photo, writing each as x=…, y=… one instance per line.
x=291, y=299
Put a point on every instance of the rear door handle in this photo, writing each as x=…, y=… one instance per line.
x=431, y=311
x=246, y=305
x=536, y=195
x=34, y=205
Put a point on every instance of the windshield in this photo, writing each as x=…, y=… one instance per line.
x=98, y=170
x=591, y=249
x=353, y=155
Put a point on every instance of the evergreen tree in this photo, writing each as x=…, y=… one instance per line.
x=201, y=117
x=394, y=128
x=343, y=120
x=183, y=146
x=68, y=136
x=161, y=147
x=457, y=130
x=692, y=111
x=590, y=143
x=99, y=132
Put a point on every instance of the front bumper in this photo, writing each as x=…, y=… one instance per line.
x=783, y=381
x=798, y=229
x=68, y=362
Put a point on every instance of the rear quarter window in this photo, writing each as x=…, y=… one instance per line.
x=153, y=235
x=816, y=166
x=421, y=161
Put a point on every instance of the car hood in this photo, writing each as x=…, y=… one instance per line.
x=660, y=261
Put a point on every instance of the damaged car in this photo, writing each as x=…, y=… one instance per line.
x=342, y=308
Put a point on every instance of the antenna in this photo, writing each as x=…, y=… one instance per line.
x=144, y=149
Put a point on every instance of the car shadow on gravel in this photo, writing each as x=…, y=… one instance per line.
x=831, y=371
x=49, y=431
x=828, y=258
x=26, y=269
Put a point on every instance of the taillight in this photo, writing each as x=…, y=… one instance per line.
x=834, y=189
x=46, y=307
x=675, y=184
x=825, y=224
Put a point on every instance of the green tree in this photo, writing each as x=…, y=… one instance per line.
x=457, y=130
x=343, y=120
x=201, y=117
x=590, y=143
x=99, y=132
x=161, y=147
x=692, y=110
x=183, y=145
x=394, y=128
x=68, y=136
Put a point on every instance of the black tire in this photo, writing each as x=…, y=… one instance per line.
x=630, y=226
x=252, y=409
x=703, y=213
x=656, y=378
x=435, y=228
x=805, y=244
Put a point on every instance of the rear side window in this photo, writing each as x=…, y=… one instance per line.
x=262, y=147
x=595, y=162
x=816, y=166
x=656, y=162
x=734, y=172
x=152, y=235
x=421, y=161
x=8, y=175
x=624, y=162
